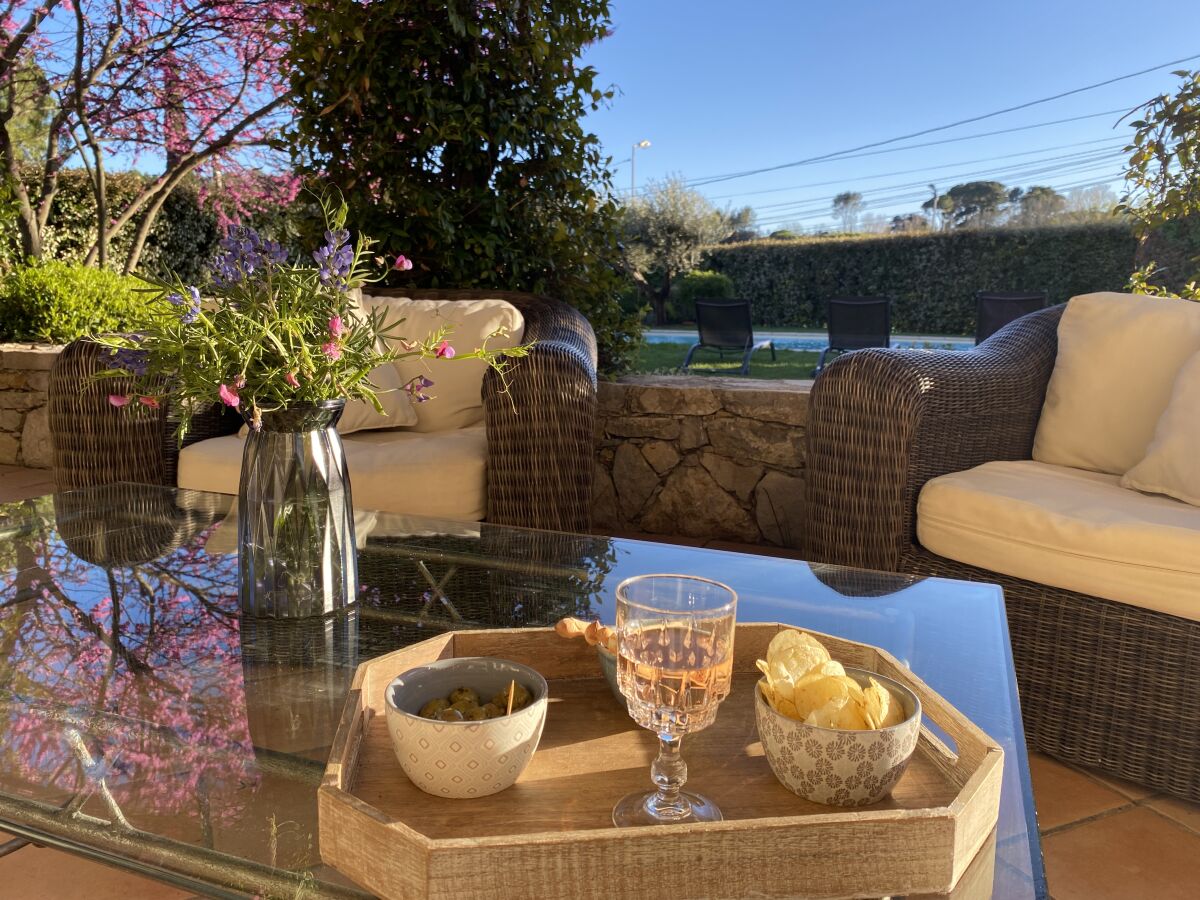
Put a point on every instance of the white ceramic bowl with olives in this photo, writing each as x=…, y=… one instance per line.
x=451, y=729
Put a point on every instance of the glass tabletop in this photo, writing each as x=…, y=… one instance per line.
x=147, y=724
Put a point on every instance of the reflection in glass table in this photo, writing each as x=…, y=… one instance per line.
x=148, y=725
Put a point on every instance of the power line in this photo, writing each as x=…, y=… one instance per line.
x=937, y=128
x=1022, y=171
x=931, y=170
x=843, y=180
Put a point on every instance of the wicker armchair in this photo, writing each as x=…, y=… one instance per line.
x=540, y=432
x=1103, y=684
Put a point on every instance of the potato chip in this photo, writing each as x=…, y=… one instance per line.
x=895, y=712
x=795, y=652
x=824, y=715
x=813, y=693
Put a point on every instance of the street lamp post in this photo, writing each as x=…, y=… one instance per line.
x=633, y=166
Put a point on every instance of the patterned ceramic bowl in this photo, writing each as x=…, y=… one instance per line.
x=464, y=759
x=836, y=766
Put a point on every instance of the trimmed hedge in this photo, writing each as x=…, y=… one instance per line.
x=697, y=285
x=932, y=277
x=57, y=302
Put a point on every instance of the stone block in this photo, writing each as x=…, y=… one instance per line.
x=692, y=504
x=786, y=407
x=633, y=479
x=610, y=398
x=10, y=449
x=779, y=509
x=691, y=433
x=673, y=400
x=605, y=512
x=13, y=381
x=11, y=419
x=39, y=381
x=30, y=357
x=661, y=455
x=733, y=476
x=37, y=451
x=661, y=427
x=765, y=442
x=20, y=400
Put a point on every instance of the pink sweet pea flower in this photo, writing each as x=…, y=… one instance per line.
x=229, y=396
x=336, y=327
x=151, y=402
x=402, y=263
x=445, y=351
x=332, y=350
x=118, y=400
x=291, y=379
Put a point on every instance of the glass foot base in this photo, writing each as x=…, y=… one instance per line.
x=646, y=808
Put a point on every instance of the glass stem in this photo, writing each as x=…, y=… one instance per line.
x=669, y=772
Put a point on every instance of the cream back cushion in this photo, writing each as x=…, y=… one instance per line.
x=1172, y=463
x=1118, y=357
x=457, y=383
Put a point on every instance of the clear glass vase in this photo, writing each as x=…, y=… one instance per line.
x=296, y=547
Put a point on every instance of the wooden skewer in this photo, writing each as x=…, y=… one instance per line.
x=512, y=690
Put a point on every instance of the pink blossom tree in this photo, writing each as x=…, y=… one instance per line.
x=197, y=86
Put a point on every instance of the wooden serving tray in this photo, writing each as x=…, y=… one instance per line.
x=551, y=834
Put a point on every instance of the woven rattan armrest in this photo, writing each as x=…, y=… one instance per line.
x=540, y=418
x=882, y=423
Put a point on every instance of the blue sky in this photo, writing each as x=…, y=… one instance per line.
x=721, y=87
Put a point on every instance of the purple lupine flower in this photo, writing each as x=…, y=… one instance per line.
x=130, y=359
x=335, y=259
x=189, y=315
x=244, y=253
x=416, y=389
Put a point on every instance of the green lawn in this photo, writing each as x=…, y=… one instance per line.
x=666, y=359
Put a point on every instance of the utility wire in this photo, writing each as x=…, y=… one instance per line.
x=930, y=171
x=937, y=128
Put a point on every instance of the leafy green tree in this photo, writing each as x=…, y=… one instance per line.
x=846, y=207
x=665, y=230
x=909, y=222
x=1162, y=191
x=973, y=204
x=1039, y=205
x=454, y=131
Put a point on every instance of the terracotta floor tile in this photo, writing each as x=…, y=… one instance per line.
x=1121, y=786
x=1132, y=853
x=1186, y=814
x=1064, y=795
x=43, y=874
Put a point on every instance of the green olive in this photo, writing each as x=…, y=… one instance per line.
x=431, y=709
x=449, y=715
x=464, y=693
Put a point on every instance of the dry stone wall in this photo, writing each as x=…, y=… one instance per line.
x=24, y=419
x=706, y=458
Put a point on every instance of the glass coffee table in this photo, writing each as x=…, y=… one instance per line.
x=148, y=726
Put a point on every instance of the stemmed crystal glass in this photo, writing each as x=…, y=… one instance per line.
x=674, y=665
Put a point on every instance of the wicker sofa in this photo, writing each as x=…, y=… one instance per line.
x=1103, y=684
x=539, y=433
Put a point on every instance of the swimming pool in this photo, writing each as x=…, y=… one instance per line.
x=815, y=340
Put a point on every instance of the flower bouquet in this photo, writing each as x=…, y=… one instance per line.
x=286, y=344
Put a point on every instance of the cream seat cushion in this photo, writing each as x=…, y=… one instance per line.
x=457, y=383
x=1172, y=463
x=1069, y=529
x=1118, y=356
x=396, y=470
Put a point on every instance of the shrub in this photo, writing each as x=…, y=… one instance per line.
x=697, y=285
x=184, y=235
x=57, y=302
x=932, y=277
x=457, y=138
